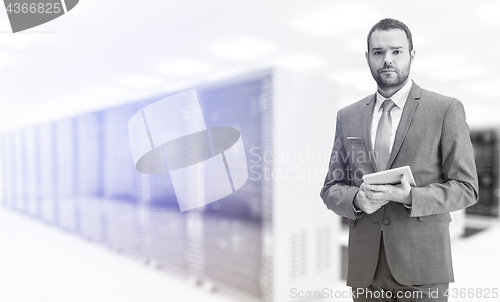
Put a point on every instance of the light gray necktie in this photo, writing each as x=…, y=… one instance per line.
x=383, y=136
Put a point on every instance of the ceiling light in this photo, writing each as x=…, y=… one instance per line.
x=183, y=68
x=244, y=49
x=300, y=61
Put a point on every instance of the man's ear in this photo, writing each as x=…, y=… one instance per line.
x=367, y=58
x=412, y=55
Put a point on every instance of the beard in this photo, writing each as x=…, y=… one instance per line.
x=391, y=82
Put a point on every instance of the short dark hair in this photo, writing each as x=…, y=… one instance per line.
x=386, y=24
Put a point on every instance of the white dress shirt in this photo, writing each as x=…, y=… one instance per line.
x=399, y=98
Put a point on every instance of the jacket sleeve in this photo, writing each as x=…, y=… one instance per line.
x=460, y=187
x=338, y=192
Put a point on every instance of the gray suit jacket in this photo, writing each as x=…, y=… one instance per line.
x=433, y=139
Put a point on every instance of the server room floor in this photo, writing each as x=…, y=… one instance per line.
x=39, y=263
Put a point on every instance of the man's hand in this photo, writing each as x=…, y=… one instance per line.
x=398, y=193
x=366, y=204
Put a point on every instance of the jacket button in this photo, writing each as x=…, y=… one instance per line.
x=386, y=221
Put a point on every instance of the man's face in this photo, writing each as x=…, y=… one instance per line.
x=389, y=57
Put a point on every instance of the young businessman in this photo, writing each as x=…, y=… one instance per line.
x=399, y=242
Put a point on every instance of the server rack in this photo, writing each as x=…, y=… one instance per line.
x=233, y=226
x=269, y=236
x=122, y=183
x=4, y=172
x=486, y=150
x=14, y=173
x=48, y=174
x=19, y=152
x=32, y=172
x=67, y=154
x=164, y=228
x=90, y=175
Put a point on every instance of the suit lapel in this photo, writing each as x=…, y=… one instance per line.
x=367, y=125
x=406, y=118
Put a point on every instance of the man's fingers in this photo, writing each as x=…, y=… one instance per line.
x=404, y=183
x=370, y=187
x=375, y=195
x=379, y=201
x=375, y=188
x=368, y=204
x=375, y=198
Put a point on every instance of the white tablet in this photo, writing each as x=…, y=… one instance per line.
x=389, y=177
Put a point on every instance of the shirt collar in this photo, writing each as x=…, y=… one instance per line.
x=399, y=98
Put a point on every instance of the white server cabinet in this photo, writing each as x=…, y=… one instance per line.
x=90, y=175
x=4, y=172
x=122, y=185
x=304, y=245
x=48, y=173
x=32, y=176
x=12, y=175
x=66, y=163
x=18, y=163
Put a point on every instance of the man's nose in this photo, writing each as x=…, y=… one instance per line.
x=387, y=61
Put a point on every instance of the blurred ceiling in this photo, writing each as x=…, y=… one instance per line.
x=104, y=53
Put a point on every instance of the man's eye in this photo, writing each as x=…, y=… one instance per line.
x=377, y=53
x=397, y=52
